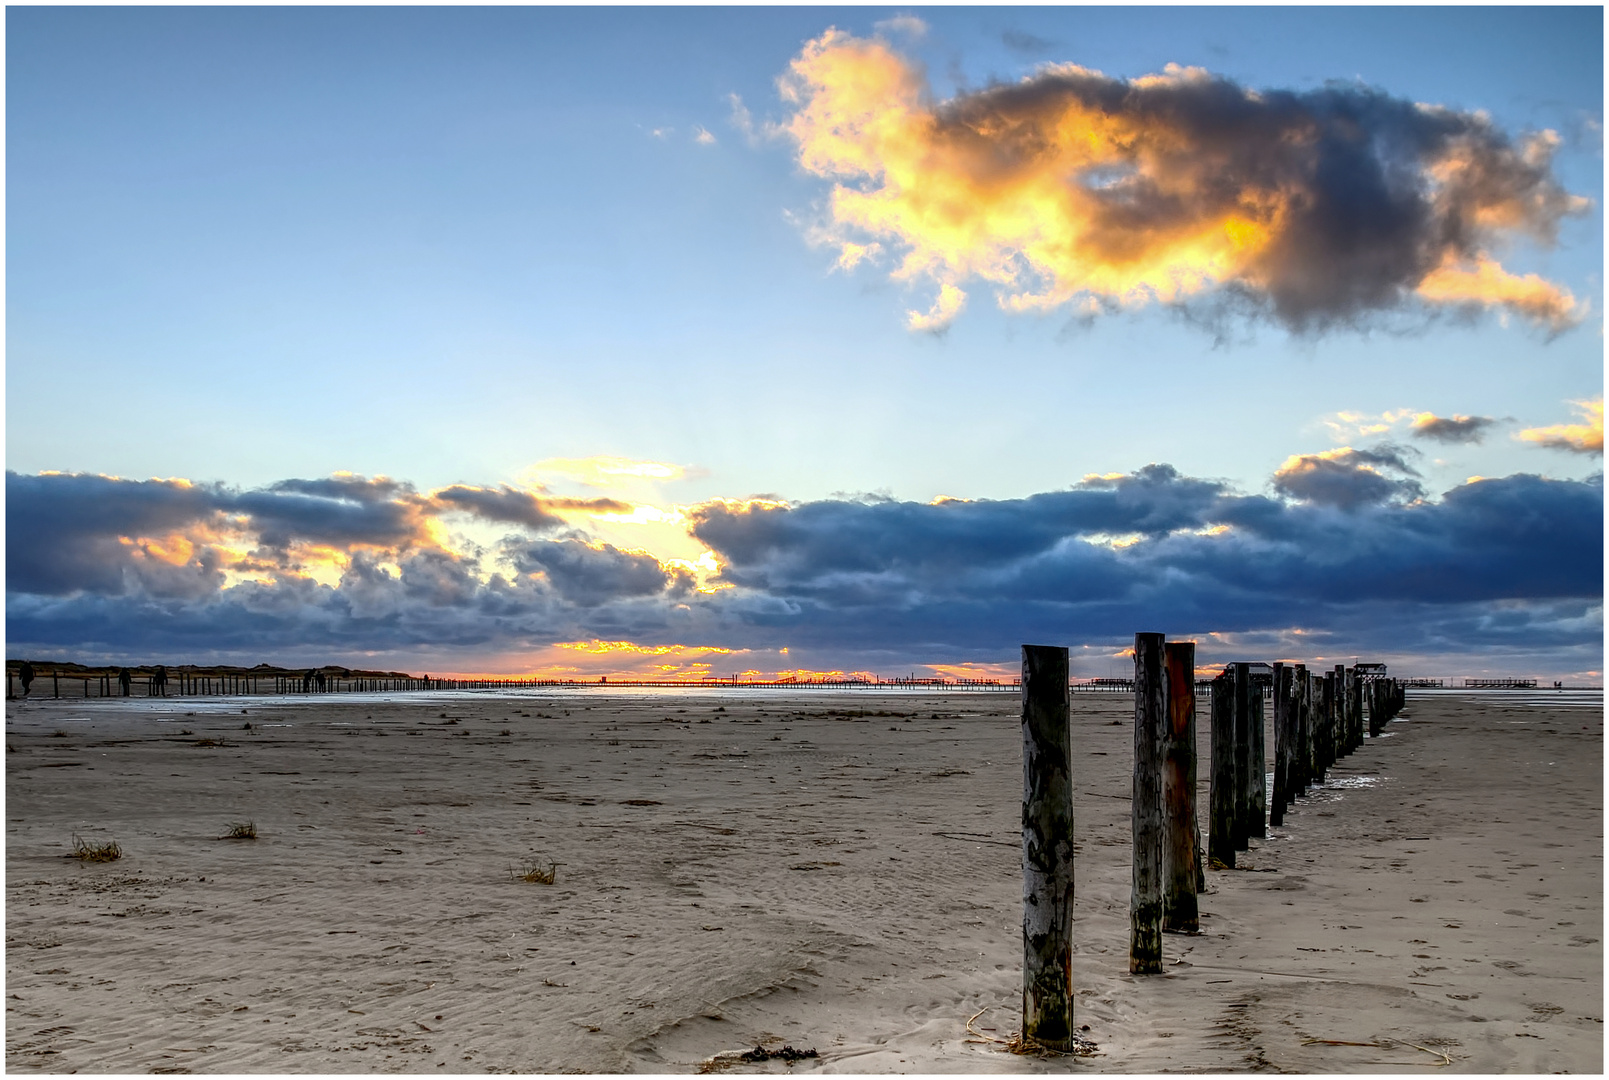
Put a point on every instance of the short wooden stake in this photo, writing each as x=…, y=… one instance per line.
x=1221, y=795
x=1182, y=850
x=1047, y=849
x=1145, y=807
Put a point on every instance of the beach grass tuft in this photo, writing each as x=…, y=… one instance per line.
x=84, y=851
x=538, y=874
x=240, y=830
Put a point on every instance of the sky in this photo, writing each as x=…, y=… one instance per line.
x=689, y=342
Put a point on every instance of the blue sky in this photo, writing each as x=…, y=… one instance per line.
x=490, y=247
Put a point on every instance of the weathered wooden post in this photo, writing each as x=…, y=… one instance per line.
x=1355, y=703
x=1282, y=744
x=1326, y=725
x=55, y=684
x=1240, y=673
x=1343, y=726
x=1047, y=849
x=1299, y=722
x=1145, y=807
x=1182, y=856
x=1221, y=795
x=1259, y=768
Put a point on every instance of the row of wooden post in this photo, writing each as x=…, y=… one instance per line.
x=1317, y=719
x=184, y=684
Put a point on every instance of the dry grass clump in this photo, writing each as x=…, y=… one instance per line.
x=84, y=851
x=210, y=742
x=537, y=874
x=240, y=830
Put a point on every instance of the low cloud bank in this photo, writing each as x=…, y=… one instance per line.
x=1345, y=555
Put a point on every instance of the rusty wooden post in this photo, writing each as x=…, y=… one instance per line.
x=1259, y=768
x=1145, y=806
x=1182, y=853
x=1241, y=676
x=1047, y=849
x=1221, y=795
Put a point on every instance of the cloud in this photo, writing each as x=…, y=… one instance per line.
x=1356, y=425
x=1349, y=478
x=1451, y=429
x=1508, y=568
x=905, y=23
x=971, y=576
x=702, y=136
x=590, y=575
x=1585, y=438
x=1024, y=42
x=943, y=312
x=605, y=471
x=515, y=506
x=1074, y=190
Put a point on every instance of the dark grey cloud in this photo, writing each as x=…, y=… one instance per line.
x=1452, y=429
x=1350, y=478
x=590, y=576
x=1233, y=563
x=1509, y=566
x=515, y=506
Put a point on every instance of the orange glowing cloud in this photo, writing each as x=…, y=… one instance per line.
x=1073, y=190
x=1584, y=438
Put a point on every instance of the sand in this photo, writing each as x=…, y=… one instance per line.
x=833, y=871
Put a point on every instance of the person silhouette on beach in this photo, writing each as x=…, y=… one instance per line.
x=123, y=680
x=159, y=681
x=27, y=676
x=307, y=682
x=320, y=678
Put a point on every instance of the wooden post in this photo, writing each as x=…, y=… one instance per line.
x=1047, y=849
x=1145, y=807
x=1355, y=704
x=1337, y=714
x=1241, y=674
x=1221, y=795
x=1297, y=777
x=1182, y=853
x=1259, y=768
x=55, y=684
x=1282, y=712
x=1326, y=712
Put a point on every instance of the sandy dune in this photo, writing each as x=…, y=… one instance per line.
x=833, y=871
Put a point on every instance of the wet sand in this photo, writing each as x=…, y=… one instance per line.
x=833, y=871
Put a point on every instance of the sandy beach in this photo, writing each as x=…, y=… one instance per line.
x=831, y=871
